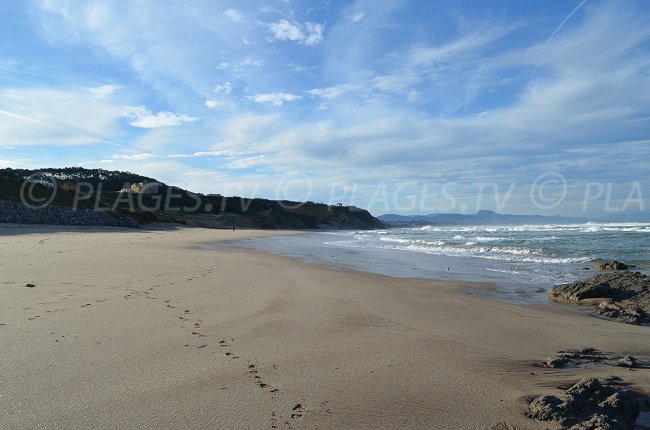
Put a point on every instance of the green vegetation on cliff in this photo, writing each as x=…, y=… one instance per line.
x=147, y=200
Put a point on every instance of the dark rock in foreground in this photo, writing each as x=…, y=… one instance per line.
x=624, y=296
x=611, y=265
x=591, y=357
x=589, y=404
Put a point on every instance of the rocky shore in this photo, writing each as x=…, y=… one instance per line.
x=591, y=404
x=13, y=212
x=621, y=295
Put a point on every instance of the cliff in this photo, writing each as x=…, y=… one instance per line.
x=77, y=196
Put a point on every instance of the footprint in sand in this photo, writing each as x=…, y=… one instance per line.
x=224, y=344
x=298, y=411
x=253, y=372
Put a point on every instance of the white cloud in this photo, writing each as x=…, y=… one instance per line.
x=166, y=44
x=39, y=116
x=199, y=154
x=104, y=90
x=14, y=164
x=309, y=33
x=245, y=163
x=248, y=61
x=314, y=33
x=234, y=15
x=143, y=118
x=225, y=88
x=330, y=92
x=357, y=17
x=284, y=30
x=136, y=157
x=413, y=96
x=213, y=104
x=209, y=153
x=423, y=55
x=475, y=101
x=296, y=67
x=276, y=99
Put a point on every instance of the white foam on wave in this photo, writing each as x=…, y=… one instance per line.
x=491, y=238
x=586, y=227
x=470, y=249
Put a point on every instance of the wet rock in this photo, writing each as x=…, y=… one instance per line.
x=624, y=296
x=597, y=422
x=611, y=265
x=546, y=408
x=589, y=404
x=556, y=363
x=624, y=314
x=627, y=361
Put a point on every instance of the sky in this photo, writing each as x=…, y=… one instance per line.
x=395, y=106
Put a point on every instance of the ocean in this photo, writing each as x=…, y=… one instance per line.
x=522, y=261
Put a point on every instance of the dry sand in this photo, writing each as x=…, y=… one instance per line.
x=146, y=330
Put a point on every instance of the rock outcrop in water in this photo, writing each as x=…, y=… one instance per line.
x=611, y=265
x=590, y=405
x=624, y=296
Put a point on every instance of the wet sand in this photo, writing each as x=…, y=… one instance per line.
x=146, y=329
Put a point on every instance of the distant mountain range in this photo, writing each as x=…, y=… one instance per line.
x=481, y=217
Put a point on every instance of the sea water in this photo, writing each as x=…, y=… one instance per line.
x=522, y=261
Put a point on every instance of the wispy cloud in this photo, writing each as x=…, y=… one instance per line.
x=276, y=99
x=309, y=33
x=357, y=17
x=39, y=116
x=234, y=15
x=246, y=163
x=331, y=92
x=143, y=118
x=357, y=92
x=213, y=104
x=225, y=88
x=137, y=157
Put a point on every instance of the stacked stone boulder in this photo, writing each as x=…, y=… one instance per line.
x=14, y=212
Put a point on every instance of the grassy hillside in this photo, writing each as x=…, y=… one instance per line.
x=104, y=190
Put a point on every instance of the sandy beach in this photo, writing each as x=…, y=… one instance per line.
x=145, y=329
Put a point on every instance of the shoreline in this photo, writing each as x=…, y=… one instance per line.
x=152, y=325
x=309, y=247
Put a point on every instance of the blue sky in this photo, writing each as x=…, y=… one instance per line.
x=398, y=106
